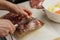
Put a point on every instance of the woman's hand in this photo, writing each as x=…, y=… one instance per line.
x=21, y=10
x=6, y=27
x=25, y=10
x=5, y=5
x=36, y=3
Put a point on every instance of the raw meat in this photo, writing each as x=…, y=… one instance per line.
x=24, y=25
x=36, y=3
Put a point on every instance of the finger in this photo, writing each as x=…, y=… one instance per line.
x=12, y=29
x=11, y=25
x=26, y=15
x=8, y=29
x=1, y=34
x=13, y=8
x=22, y=12
x=4, y=32
x=27, y=11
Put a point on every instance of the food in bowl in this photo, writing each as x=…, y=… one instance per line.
x=58, y=4
x=54, y=8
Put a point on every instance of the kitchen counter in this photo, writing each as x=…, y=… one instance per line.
x=49, y=31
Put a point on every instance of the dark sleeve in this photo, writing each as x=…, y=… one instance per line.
x=17, y=1
x=3, y=38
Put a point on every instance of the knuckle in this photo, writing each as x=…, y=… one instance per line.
x=3, y=34
x=7, y=31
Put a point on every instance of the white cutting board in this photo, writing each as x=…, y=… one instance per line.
x=44, y=33
x=47, y=32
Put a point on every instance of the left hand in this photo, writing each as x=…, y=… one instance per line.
x=18, y=9
x=26, y=10
x=14, y=8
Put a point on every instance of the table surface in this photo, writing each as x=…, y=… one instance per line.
x=49, y=31
x=56, y=26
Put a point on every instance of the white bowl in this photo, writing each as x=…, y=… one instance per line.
x=53, y=16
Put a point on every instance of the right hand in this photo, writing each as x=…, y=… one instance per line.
x=6, y=27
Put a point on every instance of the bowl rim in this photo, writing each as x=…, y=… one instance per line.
x=49, y=11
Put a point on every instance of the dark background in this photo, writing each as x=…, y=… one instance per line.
x=17, y=1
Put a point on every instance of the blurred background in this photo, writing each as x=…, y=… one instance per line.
x=17, y=1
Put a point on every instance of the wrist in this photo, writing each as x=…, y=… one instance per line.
x=6, y=5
